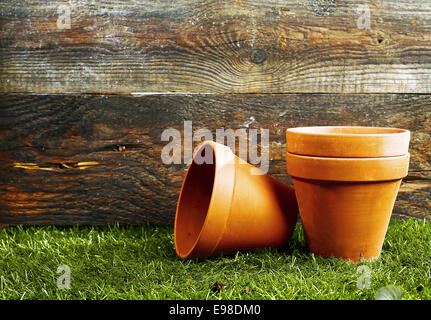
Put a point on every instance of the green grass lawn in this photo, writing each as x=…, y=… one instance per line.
x=139, y=262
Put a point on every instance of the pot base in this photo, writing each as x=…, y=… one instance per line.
x=346, y=220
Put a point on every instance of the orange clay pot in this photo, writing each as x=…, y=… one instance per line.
x=346, y=203
x=226, y=207
x=348, y=142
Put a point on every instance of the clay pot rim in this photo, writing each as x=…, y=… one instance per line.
x=223, y=179
x=347, y=169
x=348, y=141
x=324, y=131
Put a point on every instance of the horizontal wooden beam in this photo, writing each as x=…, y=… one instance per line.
x=245, y=46
x=91, y=159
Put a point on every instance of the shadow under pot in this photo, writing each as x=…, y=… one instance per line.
x=346, y=203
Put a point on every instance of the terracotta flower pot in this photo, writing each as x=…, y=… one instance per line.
x=348, y=142
x=346, y=203
x=226, y=207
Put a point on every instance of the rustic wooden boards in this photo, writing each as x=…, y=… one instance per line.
x=81, y=123
x=244, y=46
x=93, y=159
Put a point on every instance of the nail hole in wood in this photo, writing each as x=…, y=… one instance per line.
x=258, y=56
x=120, y=148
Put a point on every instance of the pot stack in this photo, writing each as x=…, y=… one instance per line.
x=346, y=180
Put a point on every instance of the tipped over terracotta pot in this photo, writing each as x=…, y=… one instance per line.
x=345, y=203
x=228, y=205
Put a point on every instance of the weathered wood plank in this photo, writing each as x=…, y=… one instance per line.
x=92, y=159
x=247, y=46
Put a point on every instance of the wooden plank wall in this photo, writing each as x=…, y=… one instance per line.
x=82, y=109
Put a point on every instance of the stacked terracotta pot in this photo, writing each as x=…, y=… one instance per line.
x=346, y=180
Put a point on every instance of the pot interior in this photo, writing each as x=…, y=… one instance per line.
x=347, y=130
x=194, y=203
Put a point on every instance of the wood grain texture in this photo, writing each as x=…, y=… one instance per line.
x=243, y=46
x=92, y=159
